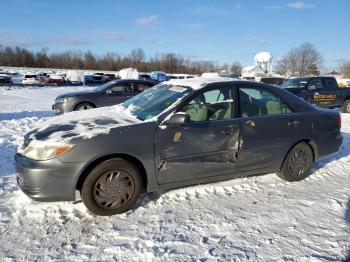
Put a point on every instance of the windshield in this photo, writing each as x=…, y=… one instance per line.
x=155, y=100
x=104, y=86
x=294, y=83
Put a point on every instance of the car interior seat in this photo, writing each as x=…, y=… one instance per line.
x=273, y=107
x=223, y=113
x=197, y=110
x=249, y=108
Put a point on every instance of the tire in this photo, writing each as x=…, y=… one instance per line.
x=84, y=106
x=346, y=106
x=297, y=164
x=112, y=187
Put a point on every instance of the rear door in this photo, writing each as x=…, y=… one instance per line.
x=207, y=146
x=268, y=129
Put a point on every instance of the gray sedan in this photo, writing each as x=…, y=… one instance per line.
x=111, y=93
x=178, y=133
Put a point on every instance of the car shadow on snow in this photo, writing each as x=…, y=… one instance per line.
x=25, y=114
x=343, y=152
x=347, y=219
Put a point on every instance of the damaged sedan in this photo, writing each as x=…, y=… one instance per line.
x=177, y=133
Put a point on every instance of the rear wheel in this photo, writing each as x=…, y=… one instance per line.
x=346, y=106
x=112, y=187
x=298, y=163
x=84, y=106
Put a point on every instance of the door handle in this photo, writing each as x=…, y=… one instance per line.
x=250, y=123
x=294, y=123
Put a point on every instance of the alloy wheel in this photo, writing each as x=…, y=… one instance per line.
x=113, y=189
x=299, y=162
x=84, y=107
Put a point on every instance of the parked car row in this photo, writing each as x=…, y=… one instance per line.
x=43, y=79
x=5, y=78
x=174, y=134
x=99, y=78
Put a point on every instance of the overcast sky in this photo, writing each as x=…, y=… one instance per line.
x=224, y=31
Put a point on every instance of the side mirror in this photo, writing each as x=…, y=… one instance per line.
x=178, y=118
x=312, y=87
x=108, y=91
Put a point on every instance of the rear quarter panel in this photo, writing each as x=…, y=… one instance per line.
x=325, y=131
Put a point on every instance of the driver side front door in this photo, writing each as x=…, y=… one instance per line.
x=206, y=146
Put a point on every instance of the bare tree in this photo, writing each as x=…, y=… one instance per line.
x=293, y=61
x=345, y=69
x=283, y=65
x=308, y=59
x=236, y=68
x=90, y=60
x=42, y=59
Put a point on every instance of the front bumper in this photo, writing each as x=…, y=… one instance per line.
x=62, y=107
x=51, y=180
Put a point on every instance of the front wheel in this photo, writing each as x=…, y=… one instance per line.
x=346, y=106
x=298, y=163
x=84, y=106
x=112, y=187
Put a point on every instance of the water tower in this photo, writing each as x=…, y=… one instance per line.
x=264, y=60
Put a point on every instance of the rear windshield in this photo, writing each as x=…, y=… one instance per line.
x=30, y=76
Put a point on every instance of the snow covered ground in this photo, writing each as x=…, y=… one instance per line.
x=256, y=219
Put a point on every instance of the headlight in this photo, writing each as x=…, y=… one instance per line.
x=42, y=150
x=62, y=100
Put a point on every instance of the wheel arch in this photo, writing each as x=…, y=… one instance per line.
x=131, y=159
x=310, y=142
x=347, y=97
x=84, y=102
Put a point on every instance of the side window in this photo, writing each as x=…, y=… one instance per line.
x=315, y=84
x=141, y=87
x=117, y=89
x=125, y=87
x=129, y=87
x=330, y=83
x=215, y=104
x=258, y=102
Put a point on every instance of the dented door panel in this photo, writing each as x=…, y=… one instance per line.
x=196, y=150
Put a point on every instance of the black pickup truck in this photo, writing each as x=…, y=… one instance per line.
x=320, y=91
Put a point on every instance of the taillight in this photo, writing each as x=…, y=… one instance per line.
x=339, y=120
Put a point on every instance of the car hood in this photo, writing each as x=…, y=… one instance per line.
x=82, y=125
x=76, y=94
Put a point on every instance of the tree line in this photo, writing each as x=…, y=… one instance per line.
x=300, y=61
x=111, y=61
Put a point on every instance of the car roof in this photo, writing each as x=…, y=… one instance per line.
x=134, y=80
x=197, y=83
